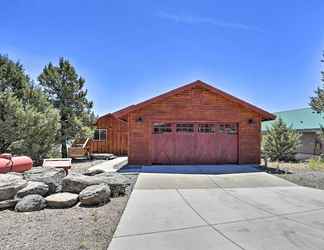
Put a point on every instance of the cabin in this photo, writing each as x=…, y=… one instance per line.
x=193, y=124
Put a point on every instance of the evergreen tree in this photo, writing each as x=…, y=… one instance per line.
x=317, y=101
x=28, y=121
x=66, y=91
x=280, y=142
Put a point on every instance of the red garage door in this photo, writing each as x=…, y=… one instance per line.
x=194, y=143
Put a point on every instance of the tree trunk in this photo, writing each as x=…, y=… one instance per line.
x=64, y=150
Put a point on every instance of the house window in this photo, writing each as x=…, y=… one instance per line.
x=206, y=128
x=100, y=134
x=185, y=127
x=160, y=128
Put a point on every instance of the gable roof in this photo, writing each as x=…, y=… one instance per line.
x=264, y=114
x=299, y=119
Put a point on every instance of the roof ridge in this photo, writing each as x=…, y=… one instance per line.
x=289, y=110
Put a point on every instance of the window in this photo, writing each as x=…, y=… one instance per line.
x=100, y=134
x=185, y=127
x=160, y=128
x=228, y=128
x=206, y=128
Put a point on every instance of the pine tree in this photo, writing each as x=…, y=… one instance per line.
x=280, y=142
x=28, y=121
x=66, y=92
x=317, y=101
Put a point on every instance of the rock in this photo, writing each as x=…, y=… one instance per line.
x=8, y=204
x=95, y=195
x=10, y=184
x=94, y=172
x=75, y=183
x=33, y=202
x=117, y=183
x=61, y=200
x=33, y=187
x=51, y=176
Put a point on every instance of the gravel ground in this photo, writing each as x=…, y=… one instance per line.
x=298, y=173
x=63, y=229
x=313, y=179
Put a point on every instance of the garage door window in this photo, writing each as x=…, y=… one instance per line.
x=185, y=127
x=230, y=129
x=160, y=128
x=206, y=128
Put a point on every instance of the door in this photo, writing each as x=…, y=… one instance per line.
x=194, y=143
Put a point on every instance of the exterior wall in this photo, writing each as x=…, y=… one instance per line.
x=193, y=105
x=117, y=136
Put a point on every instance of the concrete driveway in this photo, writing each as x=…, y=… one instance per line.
x=228, y=211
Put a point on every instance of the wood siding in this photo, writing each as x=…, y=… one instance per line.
x=117, y=136
x=193, y=105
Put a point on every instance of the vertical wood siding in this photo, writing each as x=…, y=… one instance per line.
x=194, y=105
x=117, y=136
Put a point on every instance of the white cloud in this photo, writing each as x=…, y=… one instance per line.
x=186, y=19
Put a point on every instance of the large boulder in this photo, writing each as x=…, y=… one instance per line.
x=62, y=200
x=10, y=184
x=117, y=183
x=51, y=176
x=7, y=204
x=95, y=195
x=33, y=187
x=33, y=202
x=75, y=183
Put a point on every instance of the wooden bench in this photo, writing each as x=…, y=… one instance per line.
x=64, y=163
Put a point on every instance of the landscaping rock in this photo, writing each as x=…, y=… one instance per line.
x=33, y=187
x=8, y=204
x=33, y=202
x=94, y=172
x=95, y=195
x=10, y=184
x=117, y=183
x=61, y=200
x=51, y=176
x=75, y=183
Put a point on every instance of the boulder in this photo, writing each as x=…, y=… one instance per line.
x=33, y=202
x=117, y=183
x=94, y=172
x=75, y=183
x=95, y=195
x=33, y=187
x=61, y=200
x=51, y=176
x=8, y=204
x=10, y=184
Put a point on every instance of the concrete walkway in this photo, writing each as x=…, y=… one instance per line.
x=111, y=165
x=230, y=211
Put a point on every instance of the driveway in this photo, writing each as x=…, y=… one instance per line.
x=228, y=211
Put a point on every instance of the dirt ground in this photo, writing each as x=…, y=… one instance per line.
x=63, y=229
x=298, y=172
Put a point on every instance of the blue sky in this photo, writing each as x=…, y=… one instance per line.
x=265, y=52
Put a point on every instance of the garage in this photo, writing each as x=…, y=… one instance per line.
x=194, y=143
x=196, y=123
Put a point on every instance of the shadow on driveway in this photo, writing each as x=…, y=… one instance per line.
x=192, y=169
